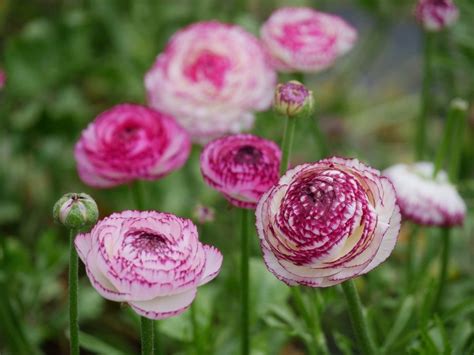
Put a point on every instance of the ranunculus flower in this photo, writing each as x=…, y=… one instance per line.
x=302, y=39
x=151, y=260
x=130, y=142
x=326, y=222
x=293, y=99
x=3, y=78
x=211, y=77
x=424, y=199
x=435, y=15
x=242, y=167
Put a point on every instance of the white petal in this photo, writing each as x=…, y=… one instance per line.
x=83, y=243
x=166, y=306
x=213, y=264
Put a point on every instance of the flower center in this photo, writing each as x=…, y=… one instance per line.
x=248, y=154
x=148, y=241
x=210, y=67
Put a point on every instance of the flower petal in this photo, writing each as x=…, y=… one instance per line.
x=213, y=264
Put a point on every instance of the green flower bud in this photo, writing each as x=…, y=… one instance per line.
x=76, y=211
x=293, y=99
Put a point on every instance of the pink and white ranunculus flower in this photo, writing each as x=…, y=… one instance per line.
x=326, y=222
x=242, y=167
x=212, y=77
x=435, y=15
x=424, y=199
x=153, y=261
x=130, y=142
x=302, y=39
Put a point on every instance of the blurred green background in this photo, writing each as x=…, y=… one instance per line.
x=66, y=61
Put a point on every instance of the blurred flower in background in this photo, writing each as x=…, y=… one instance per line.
x=326, y=222
x=302, y=39
x=203, y=214
x=242, y=167
x=435, y=15
x=211, y=77
x=130, y=142
x=151, y=260
x=425, y=199
x=3, y=78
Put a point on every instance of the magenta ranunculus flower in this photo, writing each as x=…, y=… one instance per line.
x=212, y=77
x=151, y=260
x=130, y=142
x=424, y=199
x=435, y=15
x=326, y=222
x=302, y=39
x=242, y=167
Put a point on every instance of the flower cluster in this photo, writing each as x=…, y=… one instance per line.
x=130, y=142
x=153, y=261
x=425, y=199
x=242, y=167
x=302, y=39
x=435, y=15
x=211, y=77
x=326, y=222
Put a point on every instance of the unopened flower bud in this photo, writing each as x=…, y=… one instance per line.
x=293, y=99
x=76, y=211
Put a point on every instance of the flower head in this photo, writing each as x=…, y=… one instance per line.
x=424, y=199
x=302, y=39
x=3, y=78
x=435, y=15
x=153, y=261
x=326, y=222
x=130, y=142
x=242, y=167
x=203, y=214
x=293, y=99
x=211, y=77
x=76, y=211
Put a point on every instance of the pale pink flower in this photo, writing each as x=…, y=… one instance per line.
x=435, y=15
x=3, y=78
x=130, y=142
x=242, y=167
x=211, y=77
x=326, y=222
x=151, y=260
x=424, y=199
x=302, y=39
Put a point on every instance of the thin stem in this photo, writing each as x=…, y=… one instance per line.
x=318, y=334
x=411, y=248
x=287, y=144
x=420, y=137
x=244, y=274
x=138, y=195
x=443, y=271
x=459, y=108
x=359, y=322
x=73, y=282
x=146, y=326
x=196, y=333
x=300, y=306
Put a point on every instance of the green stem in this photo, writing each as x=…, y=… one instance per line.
x=196, y=333
x=73, y=282
x=420, y=136
x=287, y=144
x=318, y=333
x=146, y=326
x=301, y=308
x=244, y=274
x=359, y=322
x=138, y=195
x=411, y=248
x=459, y=108
x=443, y=271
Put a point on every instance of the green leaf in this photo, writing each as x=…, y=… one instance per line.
x=98, y=346
x=403, y=317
